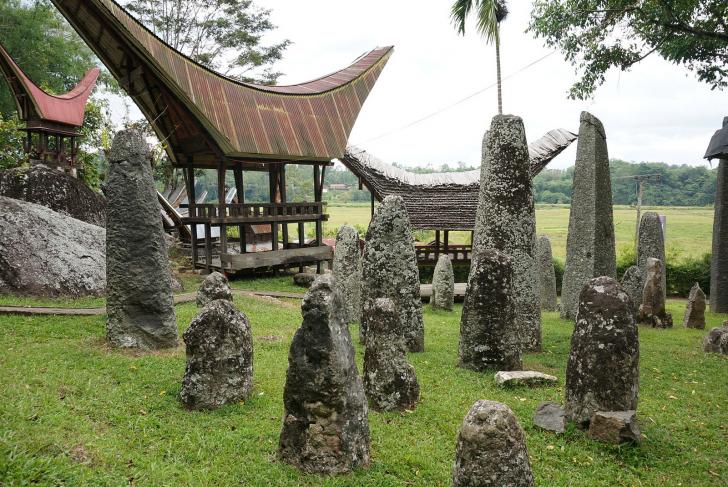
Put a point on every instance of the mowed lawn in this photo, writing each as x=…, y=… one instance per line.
x=77, y=413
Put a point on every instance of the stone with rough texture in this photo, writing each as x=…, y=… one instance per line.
x=219, y=347
x=506, y=220
x=389, y=270
x=716, y=341
x=44, y=253
x=390, y=382
x=615, y=427
x=632, y=284
x=139, y=301
x=719, y=256
x=56, y=190
x=215, y=286
x=523, y=377
x=491, y=449
x=695, y=309
x=550, y=417
x=443, y=284
x=590, y=242
x=304, y=279
x=325, y=422
x=546, y=274
x=347, y=271
x=652, y=310
x=651, y=245
x=602, y=372
x=488, y=324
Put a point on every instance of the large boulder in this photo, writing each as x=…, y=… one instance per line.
x=214, y=286
x=652, y=310
x=695, y=309
x=546, y=274
x=347, y=271
x=44, y=253
x=443, y=284
x=651, y=245
x=602, y=372
x=55, y=190
x=325, y=419
x=139, y=301
x=716, y=341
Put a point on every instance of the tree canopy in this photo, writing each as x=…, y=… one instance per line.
x=597, y=35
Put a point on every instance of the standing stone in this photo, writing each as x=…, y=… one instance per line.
x=546, y=274
x=632, y=284
x=139, y=300
x=389, y=270
x=651, y=244
x=215, y=286
x=719, y=257
x=488, y=325
x=443, y=284
x=602, y=372
x=590, y=243
x=325, y=422
x=491, y=449
x=390, y=382
x=695, y=309
x=652, y=309
x=219, y=357
x=716, y=341
x=506, y=220
x=347, y=271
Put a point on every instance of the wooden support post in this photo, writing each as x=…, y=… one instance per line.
x=221, y=204
x=372, y=195
x=318, y=194
x=190, y=179
x=208, y=247
x=240, y=188
x=282, y=183
x=301, y=240
x=437, y=245
x=447, y=240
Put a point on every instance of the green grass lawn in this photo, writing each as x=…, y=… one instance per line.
x=77, y=413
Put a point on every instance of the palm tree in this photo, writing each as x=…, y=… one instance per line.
x=490, y=14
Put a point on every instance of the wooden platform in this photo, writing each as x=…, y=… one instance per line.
x=272, y=259
x=426, y=290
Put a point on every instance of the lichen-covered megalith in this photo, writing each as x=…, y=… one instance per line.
x=390, y=382
x=590, y=243
x=219, y=347
x=506, y=220
x=215, y=286
x=652, y=309
x=632, y=285
x=651, y=244
x=325, y=422
x=139, y=300
x=546, y=274
x=443, y=284
x=488, y=325
x=695, y=309
x=602, y=372
x=347, y=271
x=389, y=270
x=491, y=449
x=719, y=256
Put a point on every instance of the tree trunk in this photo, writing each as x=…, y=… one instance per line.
x=498, y=72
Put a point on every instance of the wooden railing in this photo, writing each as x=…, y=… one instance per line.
x=256, y=212
x=428, y=254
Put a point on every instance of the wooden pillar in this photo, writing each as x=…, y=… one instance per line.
x=190, y=179
x=208, y=247
x=318, y=194
x=447, y=240
x=240, y=188
x=221, y=205
x=437, y=245
x=301, y=240
x=282, y=185
x=272, y=188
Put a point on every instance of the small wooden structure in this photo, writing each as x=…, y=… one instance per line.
x=51, y=122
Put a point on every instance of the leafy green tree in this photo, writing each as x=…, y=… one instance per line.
x=490, y=13
x=11, y=142
x=597, y=35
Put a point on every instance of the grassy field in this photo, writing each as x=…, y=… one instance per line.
x=77, y=413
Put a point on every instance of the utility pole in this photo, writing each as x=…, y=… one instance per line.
x=640, y=181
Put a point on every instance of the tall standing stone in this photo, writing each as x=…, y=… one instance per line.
x=602, y=372
x=546, y=274
x=389, y=270
x=347, y=271
x=651, y=244
x=488, y=325
x=506, y=221
x=443, y=284
x=590, y=243
x=139, y=300
x=719, y=257
x=219, y=347
x=491, y=449
x=325, y=422
x=632, y=284
x=652, y=309
x=695, y=309
x=214, y=286
x=390, y=382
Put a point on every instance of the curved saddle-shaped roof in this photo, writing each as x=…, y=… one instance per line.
x=35, y=105
x=203, y=116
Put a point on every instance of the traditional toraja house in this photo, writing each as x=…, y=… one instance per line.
x=52, y=122
x=208, y=121
x=442, y=202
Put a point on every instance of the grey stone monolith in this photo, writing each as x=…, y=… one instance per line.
x=719, y=256
x=443, y=284
x=652, y=310
x=590, y=243
x=651, y=244
x=491, y=449
x=488, y=324
x=139, y=300
x=602, y=371
x=632, y=284
x=325, y=420
x=546, y=274
x=214, y=286
x=390, y=382
x=219, y=346
x=347, y=271
x=695, y=309
x=716, y=341
x=505, y=219
x=389, y=270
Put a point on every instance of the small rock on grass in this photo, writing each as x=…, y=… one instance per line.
x=615, y=427
x=523, y=377
x=550, y=416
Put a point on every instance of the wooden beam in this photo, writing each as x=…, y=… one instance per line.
x=240, y=188
x=282, y=183
x=221, y=204
x=277, y=258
